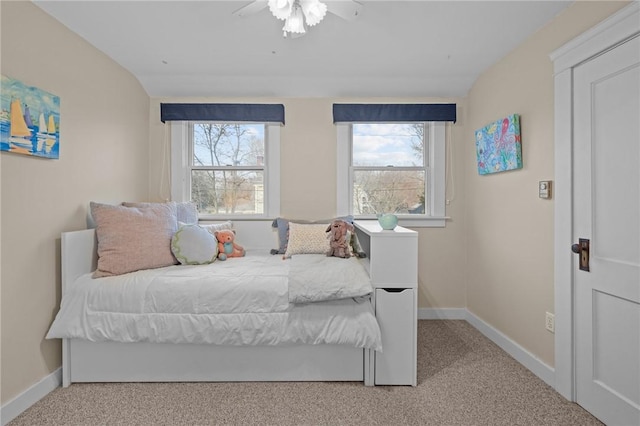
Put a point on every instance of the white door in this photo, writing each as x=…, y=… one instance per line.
x=606, y=200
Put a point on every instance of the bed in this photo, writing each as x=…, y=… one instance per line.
x=179, y=346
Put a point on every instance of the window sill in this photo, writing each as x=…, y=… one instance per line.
x=411, y=222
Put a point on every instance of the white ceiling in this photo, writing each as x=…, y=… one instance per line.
x=394, y=48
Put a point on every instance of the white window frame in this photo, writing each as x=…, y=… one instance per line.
x=434, y=215
x=181, y=149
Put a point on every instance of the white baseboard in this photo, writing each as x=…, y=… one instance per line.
x=26, y=399
x=524, y=357
x=442, y=314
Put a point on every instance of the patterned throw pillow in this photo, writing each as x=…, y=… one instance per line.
x=307, y=239
x=282, y=224
x=194, y=245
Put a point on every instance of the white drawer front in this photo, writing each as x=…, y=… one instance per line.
x=394, y=262
x=395, y=311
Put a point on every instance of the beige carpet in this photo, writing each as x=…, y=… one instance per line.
x=463, y=379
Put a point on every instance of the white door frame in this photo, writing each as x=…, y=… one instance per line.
x=614, y=30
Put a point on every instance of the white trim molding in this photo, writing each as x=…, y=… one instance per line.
x=614, y=30
x=181, y=172
x=436, y=178
x=618, y=28
x=343, y=161
x=33, y=394
x=442, y=314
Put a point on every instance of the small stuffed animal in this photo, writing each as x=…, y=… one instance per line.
x=338, y=241
x=227, y=246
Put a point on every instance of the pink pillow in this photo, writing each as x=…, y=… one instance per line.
x=131, y=238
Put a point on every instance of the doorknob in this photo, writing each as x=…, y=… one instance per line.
x=582, y=248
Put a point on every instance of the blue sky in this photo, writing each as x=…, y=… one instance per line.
x=384, y=144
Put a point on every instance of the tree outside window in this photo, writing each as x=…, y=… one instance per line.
x=228, y=167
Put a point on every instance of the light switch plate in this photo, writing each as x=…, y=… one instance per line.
x=544, y=189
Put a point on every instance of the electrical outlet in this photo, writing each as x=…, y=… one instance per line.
x=550, y=322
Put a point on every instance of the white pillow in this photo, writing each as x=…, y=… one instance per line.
x=186, y=212
x=212, y=228
x=194, y=245
x=307, y=239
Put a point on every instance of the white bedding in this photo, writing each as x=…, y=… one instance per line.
x=241, y=301
x=318, y=278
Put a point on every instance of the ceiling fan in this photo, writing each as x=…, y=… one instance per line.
x=297, y=13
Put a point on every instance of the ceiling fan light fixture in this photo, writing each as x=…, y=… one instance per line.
x=281, y=9
x=314, y=11
x=297, y=13
x=295, y=22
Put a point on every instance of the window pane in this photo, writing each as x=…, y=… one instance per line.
x=228, y=192
x=388, y=144
x=228, y=144
x=388, y=192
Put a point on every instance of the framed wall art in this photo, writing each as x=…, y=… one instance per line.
x=29, y=120
x=499, y=146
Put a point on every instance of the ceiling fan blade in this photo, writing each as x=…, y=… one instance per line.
x=346, y=9
x=250, y=9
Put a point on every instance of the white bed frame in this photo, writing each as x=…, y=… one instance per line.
x=84, y=361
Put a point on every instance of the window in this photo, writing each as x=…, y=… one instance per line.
x=392, y=168
x=229, y=169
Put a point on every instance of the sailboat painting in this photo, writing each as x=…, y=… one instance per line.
x=29, y=120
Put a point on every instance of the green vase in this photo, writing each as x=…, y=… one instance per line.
x=388, y=221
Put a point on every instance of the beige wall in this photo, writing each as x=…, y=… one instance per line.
x=494, y=257
x=509, y=229
x=308, y=189
x=103, y=157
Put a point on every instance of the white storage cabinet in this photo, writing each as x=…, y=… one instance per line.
x=393, y=268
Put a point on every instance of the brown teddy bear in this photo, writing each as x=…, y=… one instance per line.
x=227, y=246
x=339, y=238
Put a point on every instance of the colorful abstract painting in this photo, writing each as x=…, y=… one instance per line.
x=499, y=146
x=29, y=120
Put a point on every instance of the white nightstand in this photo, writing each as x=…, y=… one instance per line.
x=393, y=268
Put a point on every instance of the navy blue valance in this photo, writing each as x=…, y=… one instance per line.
x=257, y=113
x=369, y=113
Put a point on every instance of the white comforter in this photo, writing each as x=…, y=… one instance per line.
x=241, y=301
x=319, y=278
